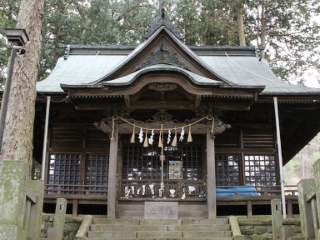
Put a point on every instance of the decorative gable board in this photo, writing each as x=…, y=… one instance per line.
x=162, y=48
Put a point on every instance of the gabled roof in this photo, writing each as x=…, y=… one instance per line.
x=87, y=66
x=157, y=38
x=246, y=71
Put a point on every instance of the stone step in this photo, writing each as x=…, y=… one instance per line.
x=298, y=238
x=139, y=234
x=197, y=228
x=192, y=234
x=160, y=229
x=111, y=235
x=159, y=234
x=196, y=238
x=124, y=221
x=161, y=222
x=135, y=228
x=116, y=221
x=126, y=228
x=216, y=221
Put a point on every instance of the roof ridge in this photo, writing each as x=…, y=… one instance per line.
x=163, y=20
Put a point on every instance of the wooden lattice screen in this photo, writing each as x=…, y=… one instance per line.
x=141, y=163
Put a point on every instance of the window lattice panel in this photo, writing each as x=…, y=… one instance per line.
x=260, y=170
x=192, y=163
x=64, y=172
x=97, y=173
x=141, y=163
x=227, y=170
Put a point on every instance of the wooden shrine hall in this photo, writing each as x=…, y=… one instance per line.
x=205, y=128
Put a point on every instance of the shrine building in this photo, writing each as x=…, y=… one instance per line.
x=205, y=127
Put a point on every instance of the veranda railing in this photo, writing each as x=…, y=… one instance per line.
x=149, y=188
x=184, y=190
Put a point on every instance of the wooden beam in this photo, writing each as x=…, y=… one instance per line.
x=172, y=105
x=197, y=102
x=127, y=101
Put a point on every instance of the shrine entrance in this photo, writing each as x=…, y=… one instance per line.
x=162, y=161
x=183, y=170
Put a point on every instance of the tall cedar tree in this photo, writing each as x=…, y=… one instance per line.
x=289, y=33
x=18, y=132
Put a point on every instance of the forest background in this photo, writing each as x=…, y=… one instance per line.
x=288, y=29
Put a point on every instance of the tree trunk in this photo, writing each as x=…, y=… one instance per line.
x=242, y=39
x=263, y=30
x=18, y=131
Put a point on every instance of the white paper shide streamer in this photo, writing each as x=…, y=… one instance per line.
x=181, y=135
x=141, y=136
x=151, y=137
x=169, y=136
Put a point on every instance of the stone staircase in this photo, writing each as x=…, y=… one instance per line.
x=160, y=229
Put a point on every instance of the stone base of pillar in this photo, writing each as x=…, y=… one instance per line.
x=12, y=232
x=20, y=202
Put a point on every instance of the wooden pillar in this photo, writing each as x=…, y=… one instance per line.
x=74, y=207
x=249, y=209
x=289, y=208
x=112, y=175
x=211, y=177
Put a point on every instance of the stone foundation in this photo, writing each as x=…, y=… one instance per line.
x=71, y=227
x=260, y=228
x=21, y=202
